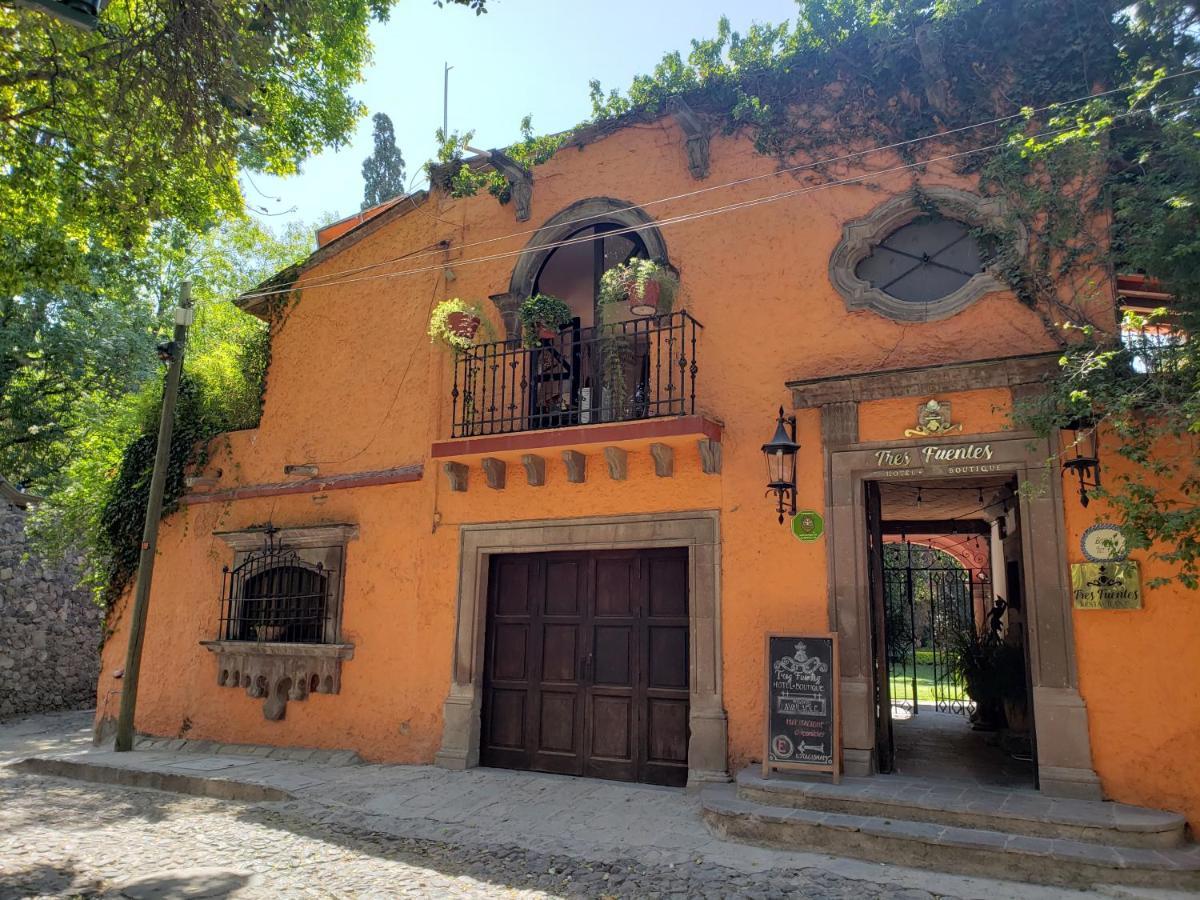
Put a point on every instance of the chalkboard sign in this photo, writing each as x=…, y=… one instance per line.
x=803, y=715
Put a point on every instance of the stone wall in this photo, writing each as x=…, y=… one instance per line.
x=49, y=629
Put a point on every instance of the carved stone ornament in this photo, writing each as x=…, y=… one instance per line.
x=933, y=420
x=862, y=235
x=277, y=673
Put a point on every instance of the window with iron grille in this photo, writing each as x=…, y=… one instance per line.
x=285, y=590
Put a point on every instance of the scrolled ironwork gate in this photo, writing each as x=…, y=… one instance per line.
x=928, y=599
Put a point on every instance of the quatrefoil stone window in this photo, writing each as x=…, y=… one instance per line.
x=918, y=257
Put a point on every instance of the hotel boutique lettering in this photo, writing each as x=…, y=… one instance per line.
x=958, y=460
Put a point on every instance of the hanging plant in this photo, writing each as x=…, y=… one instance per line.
x=541, y=317
x=455, y=323
x=646, y=285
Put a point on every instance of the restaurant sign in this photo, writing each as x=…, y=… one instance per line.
x=1110, y=585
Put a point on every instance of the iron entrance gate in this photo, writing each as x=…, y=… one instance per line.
x=928, y=599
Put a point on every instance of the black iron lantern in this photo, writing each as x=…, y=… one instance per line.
x=1080, y=453
x=780, y=452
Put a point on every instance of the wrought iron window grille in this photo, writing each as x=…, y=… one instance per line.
x=614, y=372
x=275, y=596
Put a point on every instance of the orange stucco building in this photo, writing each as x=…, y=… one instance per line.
x=479, y=560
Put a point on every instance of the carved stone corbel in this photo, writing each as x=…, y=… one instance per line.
x=535, y=469
x=618, y=463
x=710, y=456
x=696, y=139
x=664, y=460
x=457, y=473
x=520, y=182
x=576, y=464
x=495, y=471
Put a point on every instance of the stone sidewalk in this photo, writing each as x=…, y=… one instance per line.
x=488, y=810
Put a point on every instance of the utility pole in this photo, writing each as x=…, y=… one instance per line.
x=173, y=353
x=446, y=101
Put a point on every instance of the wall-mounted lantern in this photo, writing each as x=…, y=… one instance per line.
x=1080, y=453
x=780, y=452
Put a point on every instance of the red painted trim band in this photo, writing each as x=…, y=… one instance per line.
x=399, y=475
x=606, y=433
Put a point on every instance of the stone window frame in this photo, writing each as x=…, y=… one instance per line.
x=698, y=531
x=277, y=672
x=860, y=235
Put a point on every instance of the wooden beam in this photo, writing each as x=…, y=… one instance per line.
x=936, y=526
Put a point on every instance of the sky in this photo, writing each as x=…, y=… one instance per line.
x=523, y=57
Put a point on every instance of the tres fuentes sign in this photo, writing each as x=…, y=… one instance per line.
x=957, y=459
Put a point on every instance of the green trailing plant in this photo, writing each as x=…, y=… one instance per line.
x=992, y=668
x=441, y=329
x=632, y=277
x=542, y=311
x=460, y=179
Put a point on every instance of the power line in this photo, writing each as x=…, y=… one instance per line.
x=688, y=217
x=778, y=172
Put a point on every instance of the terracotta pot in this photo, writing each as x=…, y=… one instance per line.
x=546, y=333
x=463, y=325
x=645, y=303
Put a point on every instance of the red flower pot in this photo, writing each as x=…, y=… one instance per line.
x=463, y=325
x=645, y=302
x=546, y=333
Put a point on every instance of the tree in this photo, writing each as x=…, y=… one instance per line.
x=150, y=117
x=104, y=448
x=383, y=170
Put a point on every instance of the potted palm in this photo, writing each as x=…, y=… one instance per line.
x=542, y=316
x=455, y=323
x=646, y=285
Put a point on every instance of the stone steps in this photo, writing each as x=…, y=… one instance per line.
x=988, y=849
x=1022, y=811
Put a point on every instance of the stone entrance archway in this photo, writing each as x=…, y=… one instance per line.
x=1064, y=756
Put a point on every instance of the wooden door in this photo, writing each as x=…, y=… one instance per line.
x=586, y=666
x=885, y=750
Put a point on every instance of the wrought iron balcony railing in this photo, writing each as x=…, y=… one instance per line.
x=619, y=372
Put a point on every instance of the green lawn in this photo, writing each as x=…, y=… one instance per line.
x=902, y=684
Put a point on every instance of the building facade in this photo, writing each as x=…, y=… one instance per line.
x=561, y=557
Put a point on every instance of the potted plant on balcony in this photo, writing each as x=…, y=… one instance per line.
x=541, y=317
x=647, y=286
x=456, y=323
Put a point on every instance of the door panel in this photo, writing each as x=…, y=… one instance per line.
x=586, y=667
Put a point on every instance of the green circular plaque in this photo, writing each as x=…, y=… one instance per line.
x=807, y=525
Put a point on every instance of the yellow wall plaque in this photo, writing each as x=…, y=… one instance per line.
x=1110, y=585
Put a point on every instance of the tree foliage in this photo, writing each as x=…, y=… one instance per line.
x=383, y=170
x=98, y=500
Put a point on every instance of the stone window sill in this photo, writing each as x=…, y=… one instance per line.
x=277, y=673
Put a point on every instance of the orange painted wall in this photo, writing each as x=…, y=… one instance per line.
x=1139, y=673
x=978, y=412
x=356, y=386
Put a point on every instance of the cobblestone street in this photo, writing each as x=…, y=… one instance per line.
x=58, y=838
x=66, y=838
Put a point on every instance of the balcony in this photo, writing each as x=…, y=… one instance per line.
x=620, y=372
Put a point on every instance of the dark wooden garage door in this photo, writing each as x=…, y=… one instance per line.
x=587, y=665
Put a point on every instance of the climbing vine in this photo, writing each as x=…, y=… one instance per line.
x=1113, y=182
